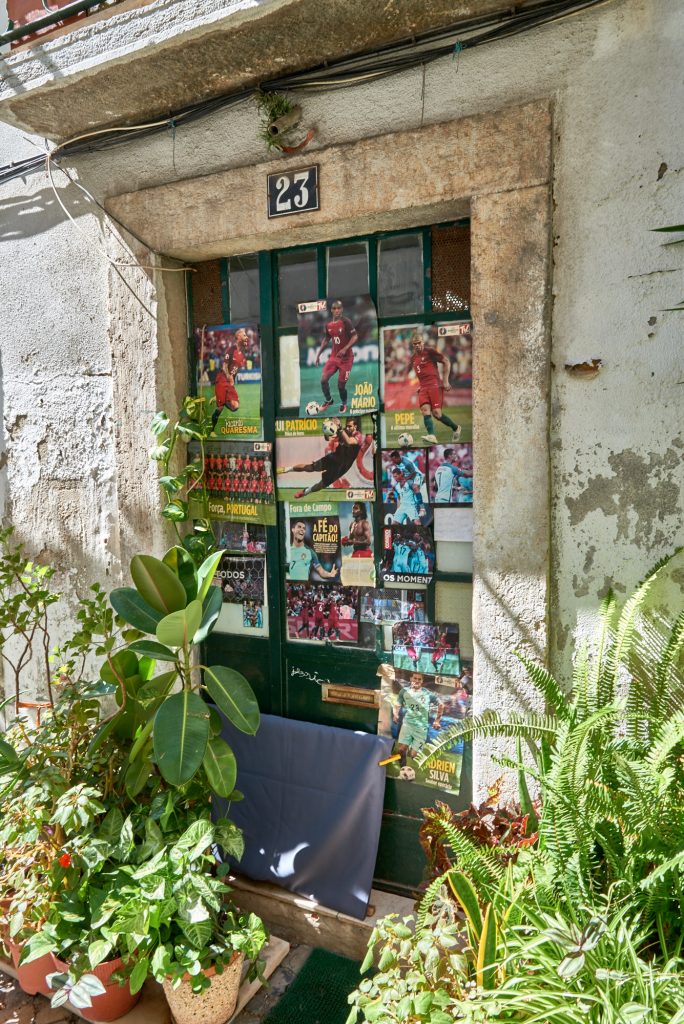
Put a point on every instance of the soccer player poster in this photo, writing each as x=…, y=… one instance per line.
x=323, y=613
x=238, y=476
x=428, y=383
x=415, y=709
x=332, y=459
x=313, y=550
x=451, y=474
x=404, y=487
x=338, y=356
x=408, y=554
x=423, y=647
x=229, y=378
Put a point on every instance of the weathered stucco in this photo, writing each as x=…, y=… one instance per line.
x=139, y=60
x=613, y=78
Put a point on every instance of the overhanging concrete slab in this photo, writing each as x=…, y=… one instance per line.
x=134, y=62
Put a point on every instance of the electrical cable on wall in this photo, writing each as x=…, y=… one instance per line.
x=346, y=72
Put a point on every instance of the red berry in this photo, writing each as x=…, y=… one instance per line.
x=65, y=860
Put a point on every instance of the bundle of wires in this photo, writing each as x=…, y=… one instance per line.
x=348, y=71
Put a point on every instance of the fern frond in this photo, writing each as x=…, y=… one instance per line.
x=430, y=897
x=668, y=737
x=547, y=687
x=489, y=724
x=604, y=639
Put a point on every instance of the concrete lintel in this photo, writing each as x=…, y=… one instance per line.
x=397, y=180
x=135, y=62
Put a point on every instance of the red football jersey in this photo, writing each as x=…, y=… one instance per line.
x=426, y=367
x=340, y=333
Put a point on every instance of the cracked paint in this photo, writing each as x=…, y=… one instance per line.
x=640, y=494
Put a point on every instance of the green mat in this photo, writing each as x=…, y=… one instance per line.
x=318, y=995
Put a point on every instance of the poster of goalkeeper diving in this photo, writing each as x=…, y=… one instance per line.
x=332, y=459
x=339, y=369
x=428, y=383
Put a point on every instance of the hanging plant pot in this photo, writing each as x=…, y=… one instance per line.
x=216, y=1005
x=32, y=977
x=116, y=1001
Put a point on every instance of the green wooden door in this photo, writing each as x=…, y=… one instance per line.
x=415, y=275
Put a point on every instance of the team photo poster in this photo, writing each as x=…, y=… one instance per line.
x=428, y=383
x=408, y=554
x=404, y=487
x=330, y=541
x=415, y=709
x=451, y=473
x=229, y=378
x=339, y=368
x=330, y=459
x=238, y=476
x=322, y=613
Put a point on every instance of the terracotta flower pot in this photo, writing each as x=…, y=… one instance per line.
x=214, y=1006
x=116, y=1001
x=32, y=977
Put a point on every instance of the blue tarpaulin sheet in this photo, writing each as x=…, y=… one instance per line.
x=312, y=809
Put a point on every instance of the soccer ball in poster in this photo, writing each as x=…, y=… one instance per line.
x=313, y=408
x=330, y=427
x=405, y=440
x=407, y=772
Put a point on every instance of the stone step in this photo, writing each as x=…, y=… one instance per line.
x=301, y=920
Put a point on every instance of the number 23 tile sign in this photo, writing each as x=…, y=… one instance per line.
x=293, y=191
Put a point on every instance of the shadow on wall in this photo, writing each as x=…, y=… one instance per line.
x=3, y=450
x=24, y=216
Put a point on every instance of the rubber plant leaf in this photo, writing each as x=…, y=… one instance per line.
x=181, y=731
x=158, y=584
x=233, y=695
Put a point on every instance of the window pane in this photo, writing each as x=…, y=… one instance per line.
x=244, y=287
x=297, y=282
x=400, y=275
x=451, y=269
x=348, y=269
x=206, y=293
x=454, y=604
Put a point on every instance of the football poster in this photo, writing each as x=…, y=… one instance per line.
x=451, y=474
x=415, y=709
x=229, y=378
x=428, y=383
x=330, y=540
x=408, y=554
x=240, y=538
x=339, y=368
x=330, y=459
x=385, y=607
x=241, y=577
x=404, y=487
x=425, y=647
x=238, y=477
x=323, y=613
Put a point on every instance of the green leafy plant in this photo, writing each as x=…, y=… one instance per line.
x=185, y=491
x=173, y=607
x=272, y=106
x=25, y=596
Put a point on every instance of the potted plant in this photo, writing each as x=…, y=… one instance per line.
x=145, y=787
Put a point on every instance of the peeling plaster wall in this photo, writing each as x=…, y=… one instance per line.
x=614, y=76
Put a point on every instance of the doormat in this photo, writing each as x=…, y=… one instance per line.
x=318, y=995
